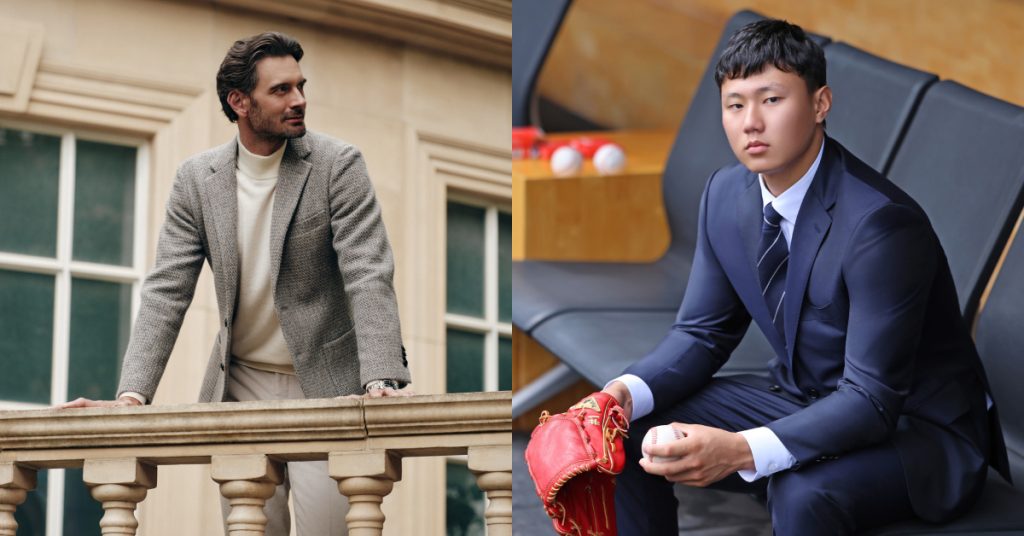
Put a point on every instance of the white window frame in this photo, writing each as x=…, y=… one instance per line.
x=63, y=268
x=492, y=328
x=489, y=326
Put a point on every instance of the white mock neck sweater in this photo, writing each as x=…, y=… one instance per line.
x=257, y=340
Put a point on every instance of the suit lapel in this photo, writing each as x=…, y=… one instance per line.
x=749, y=212
x=290, y=183
x=748, y=217
x=813, y=223
x=222, y=193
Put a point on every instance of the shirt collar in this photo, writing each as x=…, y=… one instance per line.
x=788, y=204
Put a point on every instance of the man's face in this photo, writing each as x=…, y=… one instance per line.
x=771, y=120
x=277, y=105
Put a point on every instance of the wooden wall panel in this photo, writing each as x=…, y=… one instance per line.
x=636, y=64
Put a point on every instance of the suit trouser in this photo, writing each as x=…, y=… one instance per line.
x=858, y=490
x=319, y=507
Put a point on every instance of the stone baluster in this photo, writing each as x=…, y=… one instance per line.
x=15, y=483
x=493, y=469
x=365, y=478
x=119, y=485
x=247, y=481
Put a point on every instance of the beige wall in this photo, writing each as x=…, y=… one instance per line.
x=636, y=64
x=426, y=119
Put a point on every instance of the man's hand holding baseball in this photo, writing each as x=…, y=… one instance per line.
x=706, y=455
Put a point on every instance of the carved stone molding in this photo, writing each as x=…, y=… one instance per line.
x=239, y=423
x=464, y=165
x=480, y=30
x=70, y=93
x=19, y=59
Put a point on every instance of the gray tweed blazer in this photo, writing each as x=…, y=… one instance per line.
x=331, y=262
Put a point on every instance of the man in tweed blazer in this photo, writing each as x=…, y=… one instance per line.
x=290, y=226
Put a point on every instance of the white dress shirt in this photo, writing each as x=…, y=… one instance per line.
x=770, y=455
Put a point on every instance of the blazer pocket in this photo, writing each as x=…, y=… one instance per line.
x=307, y=225
x=349, y=334
x=818, y=313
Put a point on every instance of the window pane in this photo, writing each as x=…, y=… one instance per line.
x=465, y=505
x=100, y=323
x=504, y=364
x=31, y=514
x=82, y=513
x=104, y=202
x=504, y=267
x=465, y=260
x=26, y=336
x=465, y=363
x=29, y=169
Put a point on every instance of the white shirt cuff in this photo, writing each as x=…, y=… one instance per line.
x=643, y=399
x=770, y=455
x=134, y=395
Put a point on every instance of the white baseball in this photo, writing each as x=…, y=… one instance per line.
x=609, y=159
x=566, y=161
x=660, y=435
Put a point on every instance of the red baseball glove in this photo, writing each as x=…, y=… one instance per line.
x=573, y=458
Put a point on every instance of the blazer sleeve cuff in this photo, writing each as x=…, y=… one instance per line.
x=134, y=395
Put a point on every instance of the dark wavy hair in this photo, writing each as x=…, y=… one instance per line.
x=772, y=42
x=238, y=70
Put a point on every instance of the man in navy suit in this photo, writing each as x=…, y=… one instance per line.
x=875, y=407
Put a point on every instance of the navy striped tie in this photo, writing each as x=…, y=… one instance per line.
x=772, y=261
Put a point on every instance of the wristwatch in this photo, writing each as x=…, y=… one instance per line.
x=384, y=384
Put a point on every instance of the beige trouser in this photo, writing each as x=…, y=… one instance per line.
x=319, y=507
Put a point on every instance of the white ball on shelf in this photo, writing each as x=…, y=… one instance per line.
x=566, y=161
x=609, y=159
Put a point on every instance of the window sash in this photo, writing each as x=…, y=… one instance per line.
x=64, y=269
x=490, y=326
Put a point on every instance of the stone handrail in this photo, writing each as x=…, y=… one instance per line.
x=245, y=443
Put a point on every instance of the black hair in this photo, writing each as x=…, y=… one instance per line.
x=238, y=70
x=772, y=42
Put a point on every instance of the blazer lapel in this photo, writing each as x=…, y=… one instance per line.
x=748, y=217
x=222, y=193
x=290, y=183
x=813, y=223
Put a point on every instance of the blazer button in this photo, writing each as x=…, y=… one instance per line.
x=225, y=322
x=812, y=393
x=222, y=366
x=774, y=388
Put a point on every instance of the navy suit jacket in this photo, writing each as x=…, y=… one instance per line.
x=875, y=343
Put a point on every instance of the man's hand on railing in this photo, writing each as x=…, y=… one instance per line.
x=87, y=403
x=380, y=393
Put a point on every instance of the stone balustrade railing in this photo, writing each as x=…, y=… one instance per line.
x=246, y=443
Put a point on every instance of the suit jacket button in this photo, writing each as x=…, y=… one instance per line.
x=225, y=322
x=222, y=366
x=774, y=388
x=812, y=393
